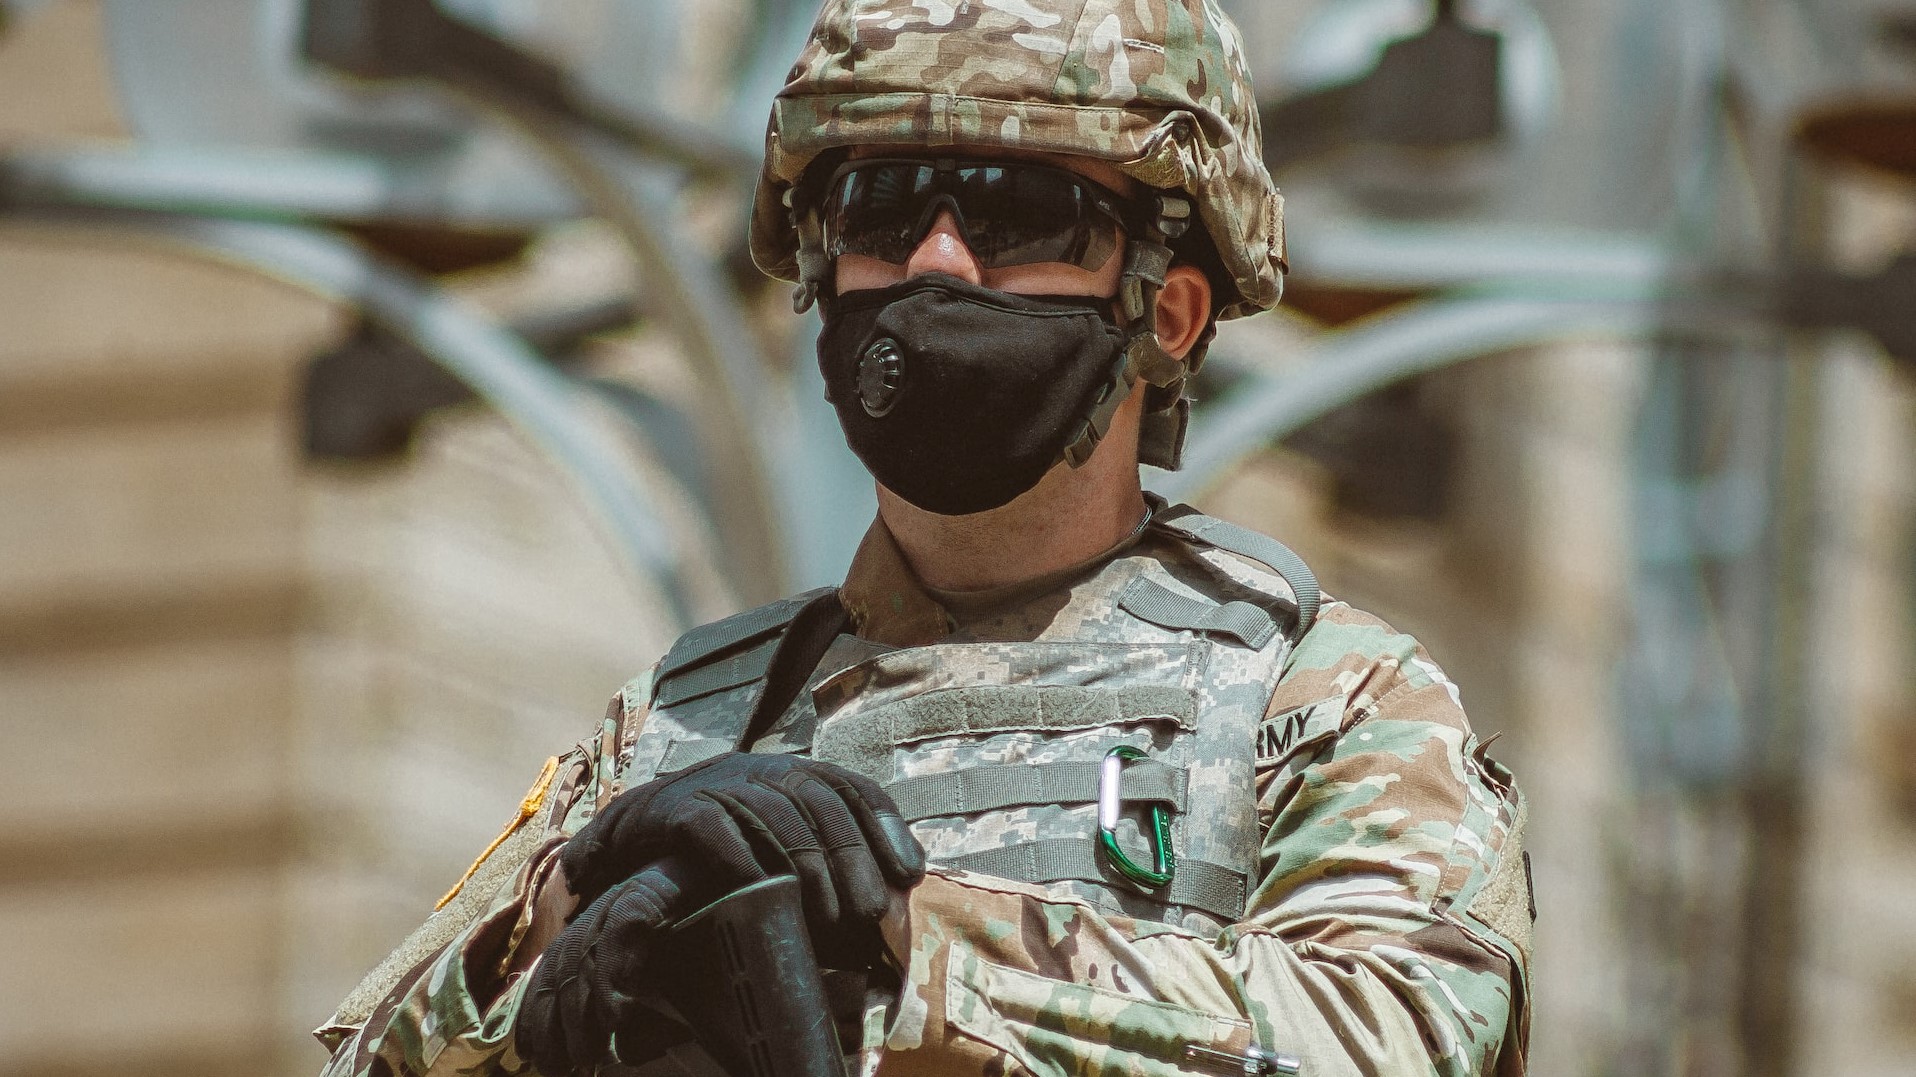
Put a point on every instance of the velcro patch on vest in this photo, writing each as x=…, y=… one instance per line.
x=1282, y=735
x=943, y=666
x=1507, y=904
x=864, y=740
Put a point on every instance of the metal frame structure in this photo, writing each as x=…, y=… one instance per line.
x=498, y=365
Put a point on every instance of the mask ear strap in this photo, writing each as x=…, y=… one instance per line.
x=1146, y=260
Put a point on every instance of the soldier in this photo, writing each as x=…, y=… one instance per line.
x=1071, y=780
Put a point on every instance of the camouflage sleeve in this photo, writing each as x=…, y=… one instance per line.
x=446, y=1001
x=1388, y=934
x=453, y=1011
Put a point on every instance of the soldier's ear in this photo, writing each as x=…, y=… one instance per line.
x=1184, y=309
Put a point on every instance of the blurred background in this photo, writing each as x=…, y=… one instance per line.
x=383, y=382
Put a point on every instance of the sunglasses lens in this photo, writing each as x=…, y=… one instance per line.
x=1037, y=216
x=1010, y=215
x=874, y=211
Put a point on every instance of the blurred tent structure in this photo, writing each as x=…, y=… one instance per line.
x=385, y=382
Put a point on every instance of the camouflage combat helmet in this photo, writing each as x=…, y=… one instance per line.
x=1159, y=88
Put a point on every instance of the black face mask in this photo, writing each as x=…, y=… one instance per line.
x=959, y=398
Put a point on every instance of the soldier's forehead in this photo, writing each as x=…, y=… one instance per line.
x=1101, y=172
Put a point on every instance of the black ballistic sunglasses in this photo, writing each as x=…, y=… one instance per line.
x=1010, y=213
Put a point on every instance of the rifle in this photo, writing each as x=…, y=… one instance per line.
x=744, y=965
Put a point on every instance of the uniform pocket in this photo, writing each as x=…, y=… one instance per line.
x=1057, y=1029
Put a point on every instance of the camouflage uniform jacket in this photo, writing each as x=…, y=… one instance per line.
x=1386, y=930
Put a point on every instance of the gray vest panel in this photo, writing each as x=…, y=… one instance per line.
x=994, y=739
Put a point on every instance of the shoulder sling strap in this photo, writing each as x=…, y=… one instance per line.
x=1244, y=542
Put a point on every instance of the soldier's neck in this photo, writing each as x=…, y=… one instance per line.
x=1067, y=519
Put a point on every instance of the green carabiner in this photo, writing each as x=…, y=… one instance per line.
x=1163, y=860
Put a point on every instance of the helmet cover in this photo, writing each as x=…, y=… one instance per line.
x=1159, y=88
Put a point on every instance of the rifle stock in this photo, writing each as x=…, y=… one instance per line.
x=742, y=971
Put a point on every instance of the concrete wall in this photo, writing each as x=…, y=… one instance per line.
x=256, y=714
x=1859, y=981
x=1516, y=593
x=149, y=602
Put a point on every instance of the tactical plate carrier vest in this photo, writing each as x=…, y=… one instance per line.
x=1146, y=678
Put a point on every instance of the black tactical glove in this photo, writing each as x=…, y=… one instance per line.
x=582, y=991
x=743, y=818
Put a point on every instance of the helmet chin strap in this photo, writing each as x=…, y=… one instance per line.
x=1146, y=261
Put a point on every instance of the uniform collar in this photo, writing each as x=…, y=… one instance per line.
x=888, y=603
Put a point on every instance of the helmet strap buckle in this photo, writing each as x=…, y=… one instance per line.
x=813, y=264
x=804, y=294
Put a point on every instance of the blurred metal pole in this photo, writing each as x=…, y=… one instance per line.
x=684, y=291
x=1774, y=797
x=238, y=182
x=628, y=168
x=499, y=367
x=1775, y=794
x=780, y=30
x=1346, y=365
x=1420, y=256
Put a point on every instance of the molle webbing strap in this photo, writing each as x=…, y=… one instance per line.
x=699, y=646
x=1010, y=785
x=742, y=667
x=724, y=682
x=690, y=753
x=1149, y=600
x=1244, y=542
x=1197, y=884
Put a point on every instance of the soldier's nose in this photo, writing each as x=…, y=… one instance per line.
x=943, y=250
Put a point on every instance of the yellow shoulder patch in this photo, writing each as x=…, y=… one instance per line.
x=535, y=798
